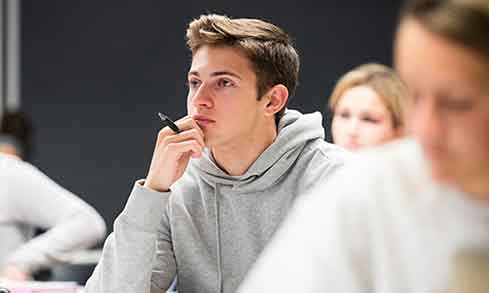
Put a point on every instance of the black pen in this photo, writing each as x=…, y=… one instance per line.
x=168, y=122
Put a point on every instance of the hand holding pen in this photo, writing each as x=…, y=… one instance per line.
x=177, y=142
x=168, y=122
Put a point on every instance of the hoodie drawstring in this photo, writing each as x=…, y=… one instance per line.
x=218, y=240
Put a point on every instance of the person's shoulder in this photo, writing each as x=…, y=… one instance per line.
x=7, y=159
x=12, y=162
x=398, y=157
x=15, y=172
x=372, y=184
x=392, y=171
x=318, y=161
x=323, y=150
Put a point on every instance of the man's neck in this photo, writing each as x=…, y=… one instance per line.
x=236, y=158
x=477, y=187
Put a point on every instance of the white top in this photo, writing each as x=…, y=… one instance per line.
x=381, y=226
x=30, y=199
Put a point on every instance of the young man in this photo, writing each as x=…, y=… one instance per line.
x=416, y=218
x=217, y=191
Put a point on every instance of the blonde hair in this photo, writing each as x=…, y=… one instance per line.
x=384, y=81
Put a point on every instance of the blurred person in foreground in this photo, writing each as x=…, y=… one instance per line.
x=403, y=217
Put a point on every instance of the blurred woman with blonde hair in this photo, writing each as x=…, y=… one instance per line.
x=368, y=107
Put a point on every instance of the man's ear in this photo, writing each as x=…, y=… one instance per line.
x=276, y=98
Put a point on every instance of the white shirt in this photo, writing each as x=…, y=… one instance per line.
x=382, y=226
x=30, y=199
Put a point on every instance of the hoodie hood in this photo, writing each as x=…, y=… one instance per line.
x=295, y=130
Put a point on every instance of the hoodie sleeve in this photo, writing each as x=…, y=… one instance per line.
x=38, y=201
x=129, y=252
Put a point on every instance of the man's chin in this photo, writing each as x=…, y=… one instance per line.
x=209, y=142
x=213, y=144
x=443, y=174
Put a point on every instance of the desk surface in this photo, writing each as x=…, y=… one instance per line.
x=39, y=287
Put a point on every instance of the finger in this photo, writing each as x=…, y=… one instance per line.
x=185, y=123
x=185, y=135
x=189, y=123
x=168, y=131
x=180, y=148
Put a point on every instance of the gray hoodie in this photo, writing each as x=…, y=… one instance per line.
x=210, y=228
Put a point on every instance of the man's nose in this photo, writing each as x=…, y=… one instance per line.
x=202, y=97
x=427, y=120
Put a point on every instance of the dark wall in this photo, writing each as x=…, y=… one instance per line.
x=95, y=73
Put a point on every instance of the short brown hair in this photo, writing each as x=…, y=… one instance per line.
x=269, y=49
x=383, y=80
x=18, y=126
x=465, y=22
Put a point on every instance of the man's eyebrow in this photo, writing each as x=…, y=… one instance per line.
x=216, y=73
x=225, y=72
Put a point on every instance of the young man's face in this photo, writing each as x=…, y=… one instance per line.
x=449, y=110
x=222, y=96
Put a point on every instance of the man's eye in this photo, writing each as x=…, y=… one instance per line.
x=456, y=105
x=225, y=83
x=193, y=83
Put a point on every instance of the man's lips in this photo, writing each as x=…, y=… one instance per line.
x=201, y=119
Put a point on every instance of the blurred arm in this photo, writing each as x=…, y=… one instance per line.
x=38, y=201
